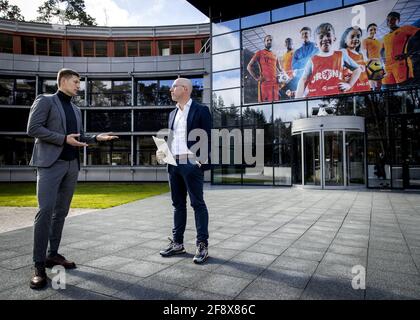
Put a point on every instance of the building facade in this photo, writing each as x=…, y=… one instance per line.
x=317, y=136
x=126, y=74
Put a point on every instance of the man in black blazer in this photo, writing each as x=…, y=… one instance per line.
x=56, y=124
x=190, y=129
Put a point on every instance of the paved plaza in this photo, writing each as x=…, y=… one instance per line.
x=265, y=243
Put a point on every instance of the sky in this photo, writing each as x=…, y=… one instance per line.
x=116, y=13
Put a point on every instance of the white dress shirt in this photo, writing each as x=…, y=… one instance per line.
x=179, y=142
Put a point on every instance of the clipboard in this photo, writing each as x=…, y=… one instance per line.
x=163, y=146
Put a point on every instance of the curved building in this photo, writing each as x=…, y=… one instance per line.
x=126, y=76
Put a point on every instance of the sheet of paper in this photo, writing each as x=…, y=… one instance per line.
x=163, y=146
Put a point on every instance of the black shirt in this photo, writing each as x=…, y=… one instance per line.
x=69, y=152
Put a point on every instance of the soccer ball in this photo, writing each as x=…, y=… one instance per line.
x=283, y=77
x=375, y=70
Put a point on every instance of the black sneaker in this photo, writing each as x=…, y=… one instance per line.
x=173, y=249
x=201, y=254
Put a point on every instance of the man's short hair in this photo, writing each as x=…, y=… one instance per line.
x=268, y=35
x=66, y=73
x=371, y=25
x=394, y=14
x=305, y=29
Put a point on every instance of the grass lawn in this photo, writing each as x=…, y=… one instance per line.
x=95, y=195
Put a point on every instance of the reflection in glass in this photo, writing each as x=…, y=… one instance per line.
x=49, y=86
x=312, y=158
x=227, y=98
x=15, y=150
x=226, y=42
x=226, y=117
x=255, y=20
x=164, y=94
x=227, y=79
x=282, y=164
x=321, y=5
x=288, y=12
x=106, y=121
x=225, y=61
x=144, y=151
x=227, y=174
x=147, y=91
x=355, y=151
x=225, y=27
x=6, y=91
x=289, y=111
x=151, y=120
x=379, y=164
x=333, y=158
x=115, y=152
x=297, y=159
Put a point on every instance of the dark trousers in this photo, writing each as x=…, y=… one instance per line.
x=55, y=188
x=183, y=179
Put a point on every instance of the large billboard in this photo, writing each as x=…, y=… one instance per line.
x=356, y=49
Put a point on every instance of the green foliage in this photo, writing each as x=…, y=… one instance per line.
x=11, y=12
x=67, y=11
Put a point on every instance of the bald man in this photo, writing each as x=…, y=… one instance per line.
x=190, y=128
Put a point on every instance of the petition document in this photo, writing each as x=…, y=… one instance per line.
x=163, y=146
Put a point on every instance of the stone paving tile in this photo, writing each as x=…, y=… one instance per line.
x=291, y=278
x=261, y=289
x=109, y=262
x=141, y=268
x=222, y=284
x=330, y=288
x=180, y=276
x=191, y=294
x=284, y=262
x=76, y=293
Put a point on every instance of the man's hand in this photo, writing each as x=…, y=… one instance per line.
x=402, y=56
x=106, y=137
x=160, y=155
x=71, y=140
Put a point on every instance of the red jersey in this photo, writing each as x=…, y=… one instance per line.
x=362, y=84
x=327, y=73
x=267, y=61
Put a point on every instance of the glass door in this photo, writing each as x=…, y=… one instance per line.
x=333, y=158
x=312, y=158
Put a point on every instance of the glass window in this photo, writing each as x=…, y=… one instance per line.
x=119, y=48
x=15, y=150
x=79, y=100
x=13, y=119
x=225, y=27
x=227, y=174
x=75, y=48
x=145, y=48
x=226, y=42
x=132, y=48
x=144, y=151
x=225, y=61
x=6, y=43
x=116, y=153
x=100, y=86
x=105, y=121
x=255, y=20
x=188, y=46
x=284, y=112
x=49, y=86
x=176, y=47
x=55, y=47
x=147, y=92
x=197, y=91
x=151, y=120
x=88, y=49
x=348, y=2
x=164, y=48
x=164, y=94
x=25, y=91
x=42, y=46
x=101, y=49
x=6, y=91
x=227, y=79
x=227, y=98
x=28, y=45
x=257, y=116
x=226, y=117
x=288, y=12
x=321, y=5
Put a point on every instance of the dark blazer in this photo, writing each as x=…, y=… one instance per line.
x=47, y=124
x=199, y=117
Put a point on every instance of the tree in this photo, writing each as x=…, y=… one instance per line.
x=65, y=12
x=11, y=12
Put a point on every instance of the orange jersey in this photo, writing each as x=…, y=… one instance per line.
x=395, y=42
x=267, y=61
x=326, y=74
x=362, y=84
x=372, y=47
x=287, y=63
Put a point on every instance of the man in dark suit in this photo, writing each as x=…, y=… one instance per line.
x=190, y=127
x=56, y=124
